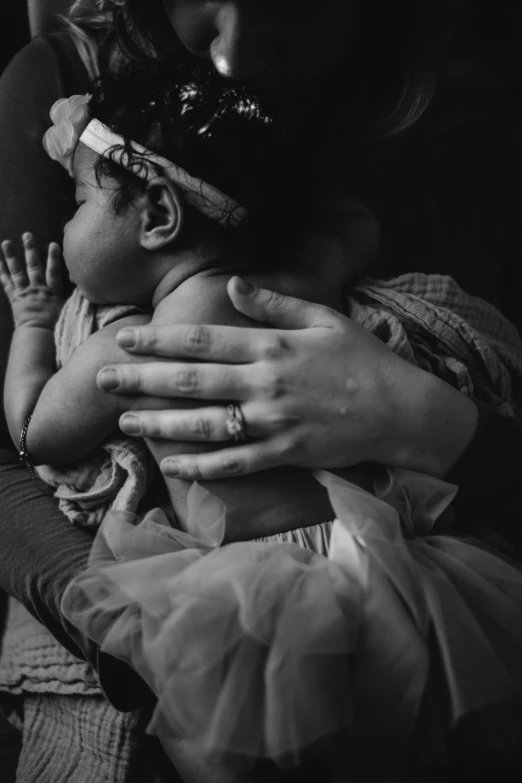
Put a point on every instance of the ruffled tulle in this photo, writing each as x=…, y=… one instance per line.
x=262, y=649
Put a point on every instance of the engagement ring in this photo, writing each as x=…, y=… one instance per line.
x=235, y=423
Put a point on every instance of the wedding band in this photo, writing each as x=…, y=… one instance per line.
x=235, y=423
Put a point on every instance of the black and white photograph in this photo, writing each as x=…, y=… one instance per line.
x=261, y=356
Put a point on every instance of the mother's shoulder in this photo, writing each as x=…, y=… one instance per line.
x=49, y=60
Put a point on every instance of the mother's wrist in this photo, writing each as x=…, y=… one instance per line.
x=435, y=427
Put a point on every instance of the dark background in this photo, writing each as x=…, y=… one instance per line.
x=14, y=28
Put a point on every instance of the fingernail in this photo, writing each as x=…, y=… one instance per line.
x=126, y=338
x=108, y=379
x=170, y=467
x=130, y=424
x=244, y=287
x=27, y=238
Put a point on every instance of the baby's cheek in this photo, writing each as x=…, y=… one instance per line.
x=70, y=254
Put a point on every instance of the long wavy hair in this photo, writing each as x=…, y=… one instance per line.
x=391, y=69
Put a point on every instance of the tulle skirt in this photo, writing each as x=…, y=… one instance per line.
x=262, y=649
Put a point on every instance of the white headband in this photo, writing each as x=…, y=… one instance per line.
x=71, y=124
x=202, y=196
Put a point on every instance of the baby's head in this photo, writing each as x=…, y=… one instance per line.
x=166, y=167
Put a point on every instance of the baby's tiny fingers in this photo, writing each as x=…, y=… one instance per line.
x=53, y=270
x=17, y=268
x=33, y=264
x=5, y=248
x=5, y=277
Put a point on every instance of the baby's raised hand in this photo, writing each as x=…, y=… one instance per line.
x=35, y=294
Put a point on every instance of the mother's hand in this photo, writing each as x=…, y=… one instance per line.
x=315, y=391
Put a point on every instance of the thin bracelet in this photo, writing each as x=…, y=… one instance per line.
x=24, y=454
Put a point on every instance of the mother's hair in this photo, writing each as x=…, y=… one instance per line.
x=395, y=56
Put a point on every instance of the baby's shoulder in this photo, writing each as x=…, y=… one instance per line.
x=201, y=299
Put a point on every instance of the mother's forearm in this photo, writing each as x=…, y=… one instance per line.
x=40, y=552
x=444, y=433
x=435, y=425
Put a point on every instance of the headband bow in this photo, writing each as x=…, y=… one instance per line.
x=72, y=124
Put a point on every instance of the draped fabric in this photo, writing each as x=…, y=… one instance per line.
x=263, y=649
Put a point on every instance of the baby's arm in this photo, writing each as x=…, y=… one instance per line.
x=69, y=415
x=72, y=416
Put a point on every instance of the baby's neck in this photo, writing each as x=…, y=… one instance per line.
x=189, y=263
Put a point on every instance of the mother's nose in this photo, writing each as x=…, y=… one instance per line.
x=242, y=47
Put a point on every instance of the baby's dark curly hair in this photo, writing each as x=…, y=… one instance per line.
x=186, y=113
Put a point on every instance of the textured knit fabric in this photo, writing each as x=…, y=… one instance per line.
x=32, y=661
x=429, y=321
x=70, y=732
x=74, y=739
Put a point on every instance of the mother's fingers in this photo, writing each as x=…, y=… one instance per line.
x=199, y=424
x=174, y=379
x=283, y=312
x=226, y=463
x=231, y=344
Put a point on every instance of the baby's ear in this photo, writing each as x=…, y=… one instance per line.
x=161, y=214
